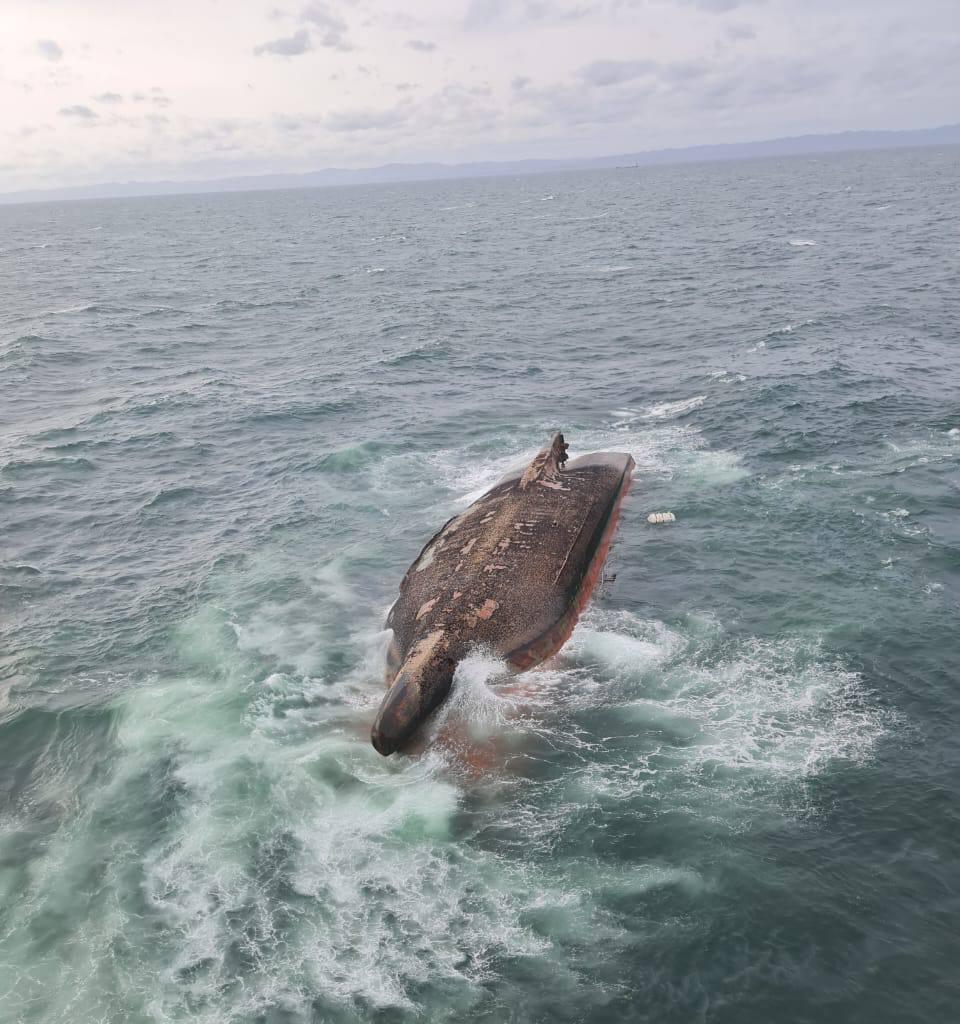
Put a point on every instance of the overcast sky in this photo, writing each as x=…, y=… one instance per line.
x=95, y=90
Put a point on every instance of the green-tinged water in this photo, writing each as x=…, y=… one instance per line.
x=230, y=422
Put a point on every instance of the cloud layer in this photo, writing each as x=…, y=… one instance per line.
x=192, y=88
x=287, y=46
x=49, y=50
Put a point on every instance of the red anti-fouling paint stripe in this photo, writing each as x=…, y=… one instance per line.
x=549, y=643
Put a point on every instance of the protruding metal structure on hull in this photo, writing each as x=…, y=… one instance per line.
x=512, y=573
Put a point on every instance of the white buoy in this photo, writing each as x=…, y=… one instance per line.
x=661, y=517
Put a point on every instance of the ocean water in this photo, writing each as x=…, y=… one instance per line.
x=228, y=424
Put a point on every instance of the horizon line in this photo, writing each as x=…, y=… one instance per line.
x=398, y=172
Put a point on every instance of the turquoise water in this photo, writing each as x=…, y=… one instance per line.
x=229, y=422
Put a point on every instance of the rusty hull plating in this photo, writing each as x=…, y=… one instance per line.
x=512, y=573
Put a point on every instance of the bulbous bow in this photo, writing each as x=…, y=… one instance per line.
x=421, y=685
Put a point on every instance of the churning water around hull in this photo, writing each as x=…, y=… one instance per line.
x=730, y=798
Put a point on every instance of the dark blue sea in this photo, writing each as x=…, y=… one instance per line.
x=229, y=422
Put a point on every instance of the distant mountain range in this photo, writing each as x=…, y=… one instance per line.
x=948, y=135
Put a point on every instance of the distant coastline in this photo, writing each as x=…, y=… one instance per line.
x=840, y=142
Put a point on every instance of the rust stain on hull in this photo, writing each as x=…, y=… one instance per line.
x=547, y=645
x=527, y=557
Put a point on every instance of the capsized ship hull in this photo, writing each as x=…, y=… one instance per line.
x=511, y=573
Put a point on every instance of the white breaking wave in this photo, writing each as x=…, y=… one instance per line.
x=669, y=450
x=283, y=776
x=723, y=714
x=665, y=410
x=790, y=328
x=799, y=242
x=343, y=881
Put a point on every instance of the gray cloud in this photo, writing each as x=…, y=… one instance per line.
x=286, y=46
x=366, y=120
x=540, y=10
x=718, y=6
x=574, y=106
x=623, y=92
x=901, y=71
x=785, y=79
x=289, y=125
x=480, y=13
x=456, y=104
x=487, y=13
x=217, y=130
x=403, y=22
x=681, y=70
x=435, y=116
x=48, y=49
x=332, y=27
x=739, y=31
x=615, y=72
x=78, y=110
x=712, y=6
x=583, y=76
x=741, y=87
x=421, y=45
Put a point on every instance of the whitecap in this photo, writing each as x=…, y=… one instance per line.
x=790, y=328
x=475, y=711
x=768, y=707
x=727, y=377
x=276, y=785
x=272, y=832
x=672, y=451
x=799, y=242
x=622, y=642
x=82, y=308
x=665, y=410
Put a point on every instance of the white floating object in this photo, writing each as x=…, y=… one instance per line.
x=953, y=432
x=661, y=517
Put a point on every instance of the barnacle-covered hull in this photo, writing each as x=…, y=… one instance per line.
x=512, y=573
